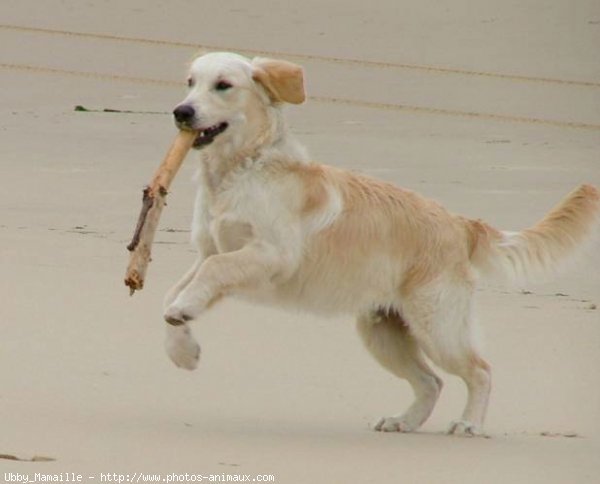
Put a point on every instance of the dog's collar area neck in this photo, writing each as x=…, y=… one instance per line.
x=266, y=138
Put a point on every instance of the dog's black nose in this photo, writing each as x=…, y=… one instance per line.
x=184, y=113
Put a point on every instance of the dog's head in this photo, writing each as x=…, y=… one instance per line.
x=227, y=92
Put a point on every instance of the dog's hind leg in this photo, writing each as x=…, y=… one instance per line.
x=387, y=337
x=442, y=323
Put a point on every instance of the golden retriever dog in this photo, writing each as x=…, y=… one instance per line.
x=274, y=227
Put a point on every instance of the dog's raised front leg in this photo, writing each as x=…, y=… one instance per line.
x=182, y=283
x=250, y=267
x=206, y=248
x=180, y=344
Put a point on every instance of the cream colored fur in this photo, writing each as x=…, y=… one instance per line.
x=274, y=227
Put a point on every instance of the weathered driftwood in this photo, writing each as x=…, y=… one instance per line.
x=153, y=201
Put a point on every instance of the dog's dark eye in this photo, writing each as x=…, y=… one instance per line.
x=190, y=82
x=222, y=86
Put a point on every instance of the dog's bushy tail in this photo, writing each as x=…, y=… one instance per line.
x=537, y=252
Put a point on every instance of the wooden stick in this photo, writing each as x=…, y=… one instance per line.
x=153, y=201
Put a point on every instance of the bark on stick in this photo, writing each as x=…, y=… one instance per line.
x=153, y=201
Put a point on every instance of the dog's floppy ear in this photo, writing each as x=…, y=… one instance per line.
x=283, y=81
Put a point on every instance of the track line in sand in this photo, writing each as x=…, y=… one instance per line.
x=321, y=99
x=313, y=57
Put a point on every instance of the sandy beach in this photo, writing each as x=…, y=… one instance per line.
x=493, y=110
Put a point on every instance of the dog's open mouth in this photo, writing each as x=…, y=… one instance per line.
x=207, y=135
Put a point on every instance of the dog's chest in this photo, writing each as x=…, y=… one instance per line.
x=234, y=214
x=229, y=234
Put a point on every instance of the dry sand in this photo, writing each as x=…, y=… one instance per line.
x=83, y=378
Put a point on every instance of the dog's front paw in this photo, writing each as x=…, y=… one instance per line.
x=181, y=347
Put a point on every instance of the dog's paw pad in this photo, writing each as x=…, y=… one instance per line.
x=176, y=316
x=392, y=424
